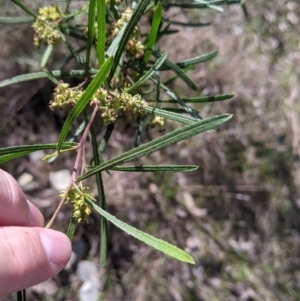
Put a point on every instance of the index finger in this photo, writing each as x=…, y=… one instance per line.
x=15, y=209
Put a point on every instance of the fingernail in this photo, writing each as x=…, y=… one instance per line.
x=57, y=247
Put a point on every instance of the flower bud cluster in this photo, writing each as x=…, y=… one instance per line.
x=64, y=96
x=45, y=26
x=108, y=105
x=133, y=104
x=117, y=2
x=77, y=196
x=134, y=46
x=111, y=104
x=157, y=121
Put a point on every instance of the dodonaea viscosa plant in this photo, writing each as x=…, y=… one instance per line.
x=126, y=70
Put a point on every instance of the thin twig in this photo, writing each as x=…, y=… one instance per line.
x=80, y=151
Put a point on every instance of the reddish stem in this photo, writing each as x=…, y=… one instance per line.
x=80, y=149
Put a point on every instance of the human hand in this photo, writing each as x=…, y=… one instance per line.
x=29, y=253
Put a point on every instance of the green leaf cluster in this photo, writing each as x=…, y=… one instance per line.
x=108, y=63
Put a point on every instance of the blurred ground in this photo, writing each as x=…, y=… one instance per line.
x=238, y=214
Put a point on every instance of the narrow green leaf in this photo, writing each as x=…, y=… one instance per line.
x=199, y=99
x=139, y=130
x=149, y=73
x=153, y=33
x=34, y=147
x=156, y=168
x=208, y=3
x=103, y=230
x=73, y=33
x=199, y=59
x=71, y=228
x=197, y=5
x=193, y=61
x=159, y=143
x=179, y=100
x=74, y=53
x=41, y=75
x=106, y=138
x=150, y=6
x=9, y=157
x=101, y=16
x=218, y=8
x=13, y=152
x=170, y=115
x=46, y=55
x=146, y=238
x=139, y=11
x=15, y=20
x=84, y=100
x=25, y=8
x=67, y=6
x=170, y=65
x=101, y=200
x=157, y=86
x=104, y=142
x=187, y=24
x=174, y=110
x=78, y=131
x=245, y=10
x=50, y=77
x=166, y=32
x=111, y=51
x=90, y=36
x=172, y=80
x=71, y=56
x=83, y=9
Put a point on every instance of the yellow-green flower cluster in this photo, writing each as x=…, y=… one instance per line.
x=64, y=96
x=117, y=2
x=134, y=46
x=108, y=105
x=77, y=196
x=133, y=104
x=157, y=121
x=125, y=18
x=111, y=104
x=45, y=26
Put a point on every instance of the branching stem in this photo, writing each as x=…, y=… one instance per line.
x=80, y=150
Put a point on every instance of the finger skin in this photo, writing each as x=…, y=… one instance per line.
x=29, y=256
x=15, y=210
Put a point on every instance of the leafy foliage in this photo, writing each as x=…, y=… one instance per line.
x=115, y=81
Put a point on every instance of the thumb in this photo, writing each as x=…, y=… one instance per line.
x=29, y=256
